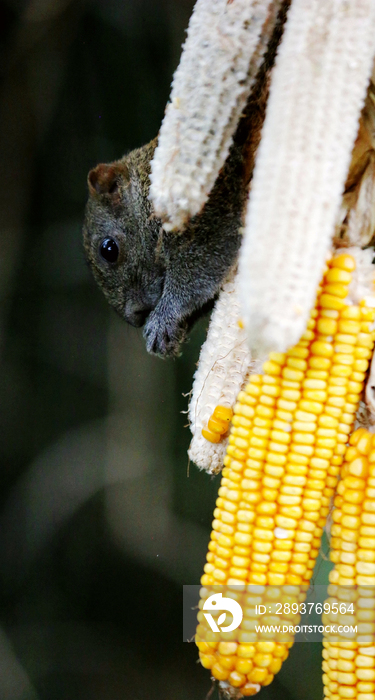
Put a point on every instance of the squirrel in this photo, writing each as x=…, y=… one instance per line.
x=165, y=280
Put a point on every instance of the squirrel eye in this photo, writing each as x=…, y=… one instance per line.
x=109, y=250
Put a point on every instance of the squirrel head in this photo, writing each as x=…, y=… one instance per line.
x=120, y=237
x=162, y=281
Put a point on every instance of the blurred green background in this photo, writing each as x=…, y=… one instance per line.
x=101, y=520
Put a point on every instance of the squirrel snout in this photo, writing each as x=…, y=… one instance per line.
x=138, y=305
x=136, y=314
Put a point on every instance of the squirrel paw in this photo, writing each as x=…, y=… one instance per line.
x=163, y=336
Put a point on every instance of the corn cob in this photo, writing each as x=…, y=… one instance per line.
x=225, y=46
x=287, y=441
x=224, y=363
x=302, y=162
x=349, y=658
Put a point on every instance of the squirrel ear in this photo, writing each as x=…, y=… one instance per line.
x=105, y=179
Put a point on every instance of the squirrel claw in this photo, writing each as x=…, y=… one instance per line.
x=163, y=338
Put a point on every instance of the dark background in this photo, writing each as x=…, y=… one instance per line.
x=101, y=521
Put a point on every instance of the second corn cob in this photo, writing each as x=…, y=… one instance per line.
x=349, y=657
x=224, y=363
x=288, y=437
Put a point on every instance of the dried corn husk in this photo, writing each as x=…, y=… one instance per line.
x=317, y=91
x=224, y=48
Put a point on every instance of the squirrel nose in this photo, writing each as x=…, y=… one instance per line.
x=136, y=315
x=137, y=319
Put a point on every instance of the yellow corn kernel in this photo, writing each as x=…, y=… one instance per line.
x=336, y=275
x=211, y=436
x=297, y=363
x=271, y=368
x=337, y=289
x=349, y=326
x=343, y=262
x=314, y=384
x=322, y=349
x=217, y=426
x=278, y=357
x=341, y=370
x=223, y=413
x=327, y=326
x=307, y=336
x=295, y=375
x=361, y=354
x=316, y=374
x=329, y=301
x=298, y=352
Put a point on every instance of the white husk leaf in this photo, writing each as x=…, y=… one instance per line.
x=224, y=364
x=224, y=48
x=317, y=92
